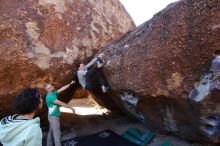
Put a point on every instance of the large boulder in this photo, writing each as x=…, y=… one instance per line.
x=163, y=71
x=40, y=40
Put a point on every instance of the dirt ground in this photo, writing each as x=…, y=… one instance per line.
x=116, y=123
x=83, y=125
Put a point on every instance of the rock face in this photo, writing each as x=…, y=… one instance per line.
x=40, y=40
x=163, y=71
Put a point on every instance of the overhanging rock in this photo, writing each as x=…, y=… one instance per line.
x=40, y=40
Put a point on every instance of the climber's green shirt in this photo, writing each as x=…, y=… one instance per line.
x=53, y=109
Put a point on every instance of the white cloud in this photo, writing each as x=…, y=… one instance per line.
x=143, y=10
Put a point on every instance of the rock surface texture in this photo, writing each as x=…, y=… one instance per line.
x=165, y=72
x=40, y=40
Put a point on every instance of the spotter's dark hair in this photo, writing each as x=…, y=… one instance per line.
x=27, y=101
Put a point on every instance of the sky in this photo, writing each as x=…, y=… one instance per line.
x=143, y=10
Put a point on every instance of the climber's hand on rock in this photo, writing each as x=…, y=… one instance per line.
x=101, y=55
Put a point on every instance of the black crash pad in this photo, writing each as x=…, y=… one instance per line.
x=103, y=138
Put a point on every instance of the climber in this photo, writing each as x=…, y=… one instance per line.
x=22, y=128
x=90, y=73
x=53, y=105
